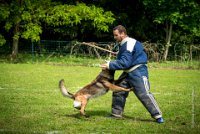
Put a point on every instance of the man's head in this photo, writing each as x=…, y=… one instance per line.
x=119, y=33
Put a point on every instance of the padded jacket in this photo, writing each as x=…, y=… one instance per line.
x=131, y=53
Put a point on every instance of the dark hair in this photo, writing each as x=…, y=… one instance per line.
x=120, y=28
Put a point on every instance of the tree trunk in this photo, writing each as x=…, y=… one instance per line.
x=190, y=52
x=168, y=39
x=166, y=52
x=15, y=42
x=16, y=34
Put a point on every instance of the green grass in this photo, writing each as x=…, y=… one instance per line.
x=84, y=60
x=30, y=102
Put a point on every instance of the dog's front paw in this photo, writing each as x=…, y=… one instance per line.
x=128, y=89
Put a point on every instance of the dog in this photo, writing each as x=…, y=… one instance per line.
x=98, y=87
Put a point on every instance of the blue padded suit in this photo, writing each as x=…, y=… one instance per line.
x=131, y=54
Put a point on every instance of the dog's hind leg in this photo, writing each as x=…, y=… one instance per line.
x=83, y=101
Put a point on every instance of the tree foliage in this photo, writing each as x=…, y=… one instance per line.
x=27, y=15
x=2, y=40
x=25, y=18
x=165, y=21
x=73, y=20
x=181, y=13
x=72, y=15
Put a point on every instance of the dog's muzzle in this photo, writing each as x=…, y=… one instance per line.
x=77, y=104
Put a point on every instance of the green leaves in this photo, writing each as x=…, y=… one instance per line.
x=175, y=11
x=4, y=12
x=8, y=25
x=2, y=40
x=63, y=15
x=71, y=15
x=30, y=14
x=32, y=32
x=26, y=16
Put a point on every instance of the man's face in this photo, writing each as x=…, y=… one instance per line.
x=118, y=36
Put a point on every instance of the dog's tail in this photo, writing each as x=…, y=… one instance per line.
x=64, y=90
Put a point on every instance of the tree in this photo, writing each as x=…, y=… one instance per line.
x=191, y=18
x=25, y=18
x=129, y=13
x=173, y=12
x=70, y=19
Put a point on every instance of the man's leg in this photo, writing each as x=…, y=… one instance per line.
x=119, y=98
x=138, y=79
x=118, y=103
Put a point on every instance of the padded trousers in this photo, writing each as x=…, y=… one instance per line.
x=138, y=81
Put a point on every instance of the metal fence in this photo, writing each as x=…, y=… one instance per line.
x=154, y=51
x=70, y=48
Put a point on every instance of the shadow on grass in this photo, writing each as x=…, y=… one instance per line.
x=106, y=115
x=136, y=119
x=89, y=114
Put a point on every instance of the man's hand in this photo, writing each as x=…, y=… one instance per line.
x=104, y=66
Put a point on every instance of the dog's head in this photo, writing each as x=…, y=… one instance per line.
x=109, y=74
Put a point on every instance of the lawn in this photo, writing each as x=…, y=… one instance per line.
x=30, y=102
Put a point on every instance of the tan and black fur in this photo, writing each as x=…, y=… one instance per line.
x=98, y=87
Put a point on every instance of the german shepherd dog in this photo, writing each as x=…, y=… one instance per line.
x=98, y=87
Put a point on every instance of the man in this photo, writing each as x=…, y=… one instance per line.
x=132, y=59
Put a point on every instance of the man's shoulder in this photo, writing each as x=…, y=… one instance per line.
x=130, y=44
